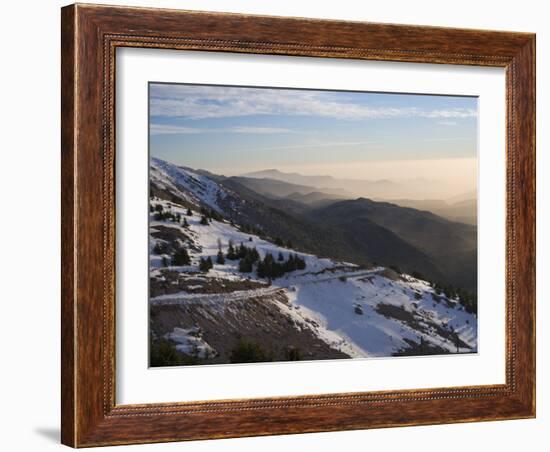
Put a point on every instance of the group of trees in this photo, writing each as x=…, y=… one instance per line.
x=279, y=242
x=179, y=257
x=268, y=267
x=252, y=230
x=162, y=214
x=211, y=214
x=248, y=257
x=252, y=352
x=465, y=298
x=205, y=264
x=241, y=251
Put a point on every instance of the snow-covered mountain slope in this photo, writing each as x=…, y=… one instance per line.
x=192, y=186
x=329, y=309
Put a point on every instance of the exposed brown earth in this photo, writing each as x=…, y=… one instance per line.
x=174, y=282
x=256, y=320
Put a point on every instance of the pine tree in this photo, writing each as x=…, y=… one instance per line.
x=290, y=264
x=260, y=270
x=181, y=257
x=185, y=223
x=205, y=264
x=204, y=220
x=231, y=255
x=300, y=263
x=245, y=265
x=189, y=212
x=242, y=251
x=159, y=208
x=281, y=257
x=220, y=259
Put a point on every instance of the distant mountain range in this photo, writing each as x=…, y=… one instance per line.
x=281, y=189
x=322, y=190
x=361, y=231
x=353, y=188
x=463, y=211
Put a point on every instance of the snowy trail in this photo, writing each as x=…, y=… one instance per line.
x=300, y=280
x=239, y=295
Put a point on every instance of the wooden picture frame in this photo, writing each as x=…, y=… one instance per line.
x=90, y=36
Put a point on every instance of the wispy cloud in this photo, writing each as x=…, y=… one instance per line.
x=335, y=144
x=465, y=138
x=166, y=129
x=202, y=102
x=260, y=130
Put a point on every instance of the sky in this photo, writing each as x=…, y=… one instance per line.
x=359, y=135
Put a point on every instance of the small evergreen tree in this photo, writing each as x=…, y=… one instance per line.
x=231, y=255
x=248, y=352
x=245, y=265
x=204, y=220
x=158, y=248
x=159, y=208
x=281, y=257
x=293, y=354
x=300, y=263
x=290, y=264
x=189, y=212
x=220, y=259
x=185, y=223
x=181, y=257
x=205, y=264
x=242, y=251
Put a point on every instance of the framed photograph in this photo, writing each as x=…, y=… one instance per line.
x=282, y=225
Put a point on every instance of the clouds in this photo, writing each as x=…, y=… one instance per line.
x=209, y=102
x=259, y=130
x=167, y=129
